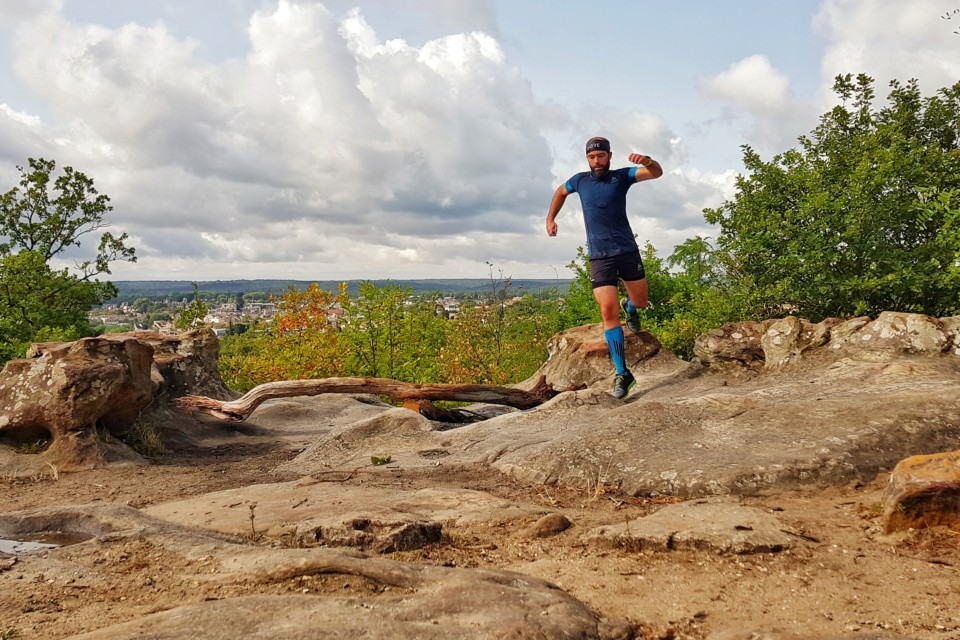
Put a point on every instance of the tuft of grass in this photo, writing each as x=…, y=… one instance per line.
x=31, y=448
x=144, y=438
x=599, y=486
x=255, y=536
x=8, y=634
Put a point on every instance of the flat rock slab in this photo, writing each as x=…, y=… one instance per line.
x=309, y=512
x=713, y=433
x=472, y=608
x=704, y=525
x=381, y=597
x=772, y=635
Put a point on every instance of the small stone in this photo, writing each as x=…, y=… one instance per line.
x=547, y=526
x=923, y=491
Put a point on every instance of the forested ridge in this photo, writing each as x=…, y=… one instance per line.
x=130, y=290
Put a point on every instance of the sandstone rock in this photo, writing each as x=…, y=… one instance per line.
x=704, y=525
x=895, y=332
x=776, y=342
x=64, y=392
x=738, y=343
x=842, y=331
x=923, y=491
x=547, y=526
x=470, y=607
x=310, y=513
x=381, y=536
x=187, y=362
x=392, y=599
x=67, y=390
x=951, y=328
x=579, y=356
x=820, y=420
x=775, y=635
x=788, y=338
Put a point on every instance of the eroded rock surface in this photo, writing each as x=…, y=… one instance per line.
x=401, y=600
x=834, y=403
x=709, y=525
x=77, y=396
x=923, y=491
x=322, y=512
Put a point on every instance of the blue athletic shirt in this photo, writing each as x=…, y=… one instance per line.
x=604, y=203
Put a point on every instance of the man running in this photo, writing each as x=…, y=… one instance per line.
x=611, y=247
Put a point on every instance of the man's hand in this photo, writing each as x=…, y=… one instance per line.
x=555, y=205
x=651, y=168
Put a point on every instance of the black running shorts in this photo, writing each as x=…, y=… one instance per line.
x=605, y=272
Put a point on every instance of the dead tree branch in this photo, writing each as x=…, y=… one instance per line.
x=240, y=409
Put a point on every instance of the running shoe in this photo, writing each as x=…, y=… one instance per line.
x=622, y=384
x=633, y=319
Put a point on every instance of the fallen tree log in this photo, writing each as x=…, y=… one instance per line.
x=240, y=409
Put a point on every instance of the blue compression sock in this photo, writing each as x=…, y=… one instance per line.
x=630, y=306
x=615, y=344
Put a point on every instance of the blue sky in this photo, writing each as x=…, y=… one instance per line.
x=422, y=139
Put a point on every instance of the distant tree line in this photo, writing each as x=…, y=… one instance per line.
x=222, y=291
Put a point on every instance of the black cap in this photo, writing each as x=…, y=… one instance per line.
x=598, y=144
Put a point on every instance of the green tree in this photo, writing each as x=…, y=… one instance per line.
x=479, y=347
x=424, y=329
x=247, y=360
x=373, y=330
x=530, y=323
x=389, y=334
x=859, y=219
x=40, y=219
x=193, y=315
x=690, y=295
x=580, y=307
x=299, y=344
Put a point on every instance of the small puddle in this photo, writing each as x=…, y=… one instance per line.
x=27, y=543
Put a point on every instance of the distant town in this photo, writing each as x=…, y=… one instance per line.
x=143, y=305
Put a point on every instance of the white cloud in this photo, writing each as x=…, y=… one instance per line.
x=752, y=84
x=891, y=40
x=325, y=150
x=755, y=88
x=12, y=11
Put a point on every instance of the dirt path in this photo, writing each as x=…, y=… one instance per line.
x=841, y=577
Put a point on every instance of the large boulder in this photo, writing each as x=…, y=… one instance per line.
x=77, y=396
x=776, y=342
x=579, y=357
x=186, y=362
x=739, y=343
x=923, y=491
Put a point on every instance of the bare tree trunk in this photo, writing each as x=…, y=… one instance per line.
x=240, y=409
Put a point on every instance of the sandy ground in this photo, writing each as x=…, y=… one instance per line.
x=843, y=576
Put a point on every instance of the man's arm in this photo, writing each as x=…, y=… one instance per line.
x=649, y=168
x=559, y=197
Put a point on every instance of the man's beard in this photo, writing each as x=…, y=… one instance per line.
x=599, y=172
